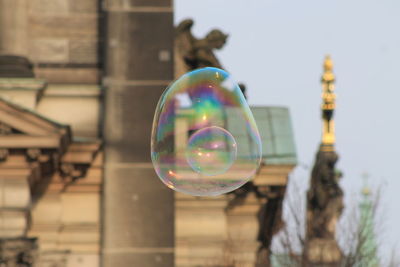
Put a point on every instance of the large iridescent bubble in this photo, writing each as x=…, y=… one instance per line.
x=205, y=141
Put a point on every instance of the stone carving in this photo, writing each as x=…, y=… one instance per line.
x=192, y=53
x=324, y=207
x=5, y=129
x=71, y=171
x=15, y=67
x=18, y=252
x=3, y=154
x=33, y=154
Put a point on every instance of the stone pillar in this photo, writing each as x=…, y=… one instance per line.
x=15, y=198
x=242, y=230
x=138, y=210
x=201, y=231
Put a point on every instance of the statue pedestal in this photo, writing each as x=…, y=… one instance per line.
x=322, y=251
x=242, y=231
x=207, y=234
x=200, y=230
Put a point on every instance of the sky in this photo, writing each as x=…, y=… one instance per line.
x=277, y=47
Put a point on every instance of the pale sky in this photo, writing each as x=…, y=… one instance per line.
x=276, y=47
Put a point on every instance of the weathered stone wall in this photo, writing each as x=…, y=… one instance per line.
x=77, y=105
x=59, y=36
x=66, y=220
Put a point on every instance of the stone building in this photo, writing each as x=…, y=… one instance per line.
x=79, y=82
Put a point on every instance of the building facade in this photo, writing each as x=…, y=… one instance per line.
x=77, y=187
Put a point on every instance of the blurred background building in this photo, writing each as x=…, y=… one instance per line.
x=79, y=82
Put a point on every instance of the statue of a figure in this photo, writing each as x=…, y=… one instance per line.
x=325, y=198
x=324, y=207
x=192, y=53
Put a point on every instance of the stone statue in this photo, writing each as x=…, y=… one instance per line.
x=325, y=196
x=324, y=207
x=192, y=53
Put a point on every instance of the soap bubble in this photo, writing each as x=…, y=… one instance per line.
x=211, y=151
x=205, y=141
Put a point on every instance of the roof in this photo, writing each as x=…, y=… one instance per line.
x=275, y=128
x=28, y=129
x=25, y=110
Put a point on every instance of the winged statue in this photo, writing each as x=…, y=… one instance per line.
x=192, y=53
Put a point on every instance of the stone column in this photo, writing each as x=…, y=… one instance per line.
x=15, y=198
x=242, y=231
x=138, y=210
x=201, y=231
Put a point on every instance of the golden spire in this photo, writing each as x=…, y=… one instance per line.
x=328, y=105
